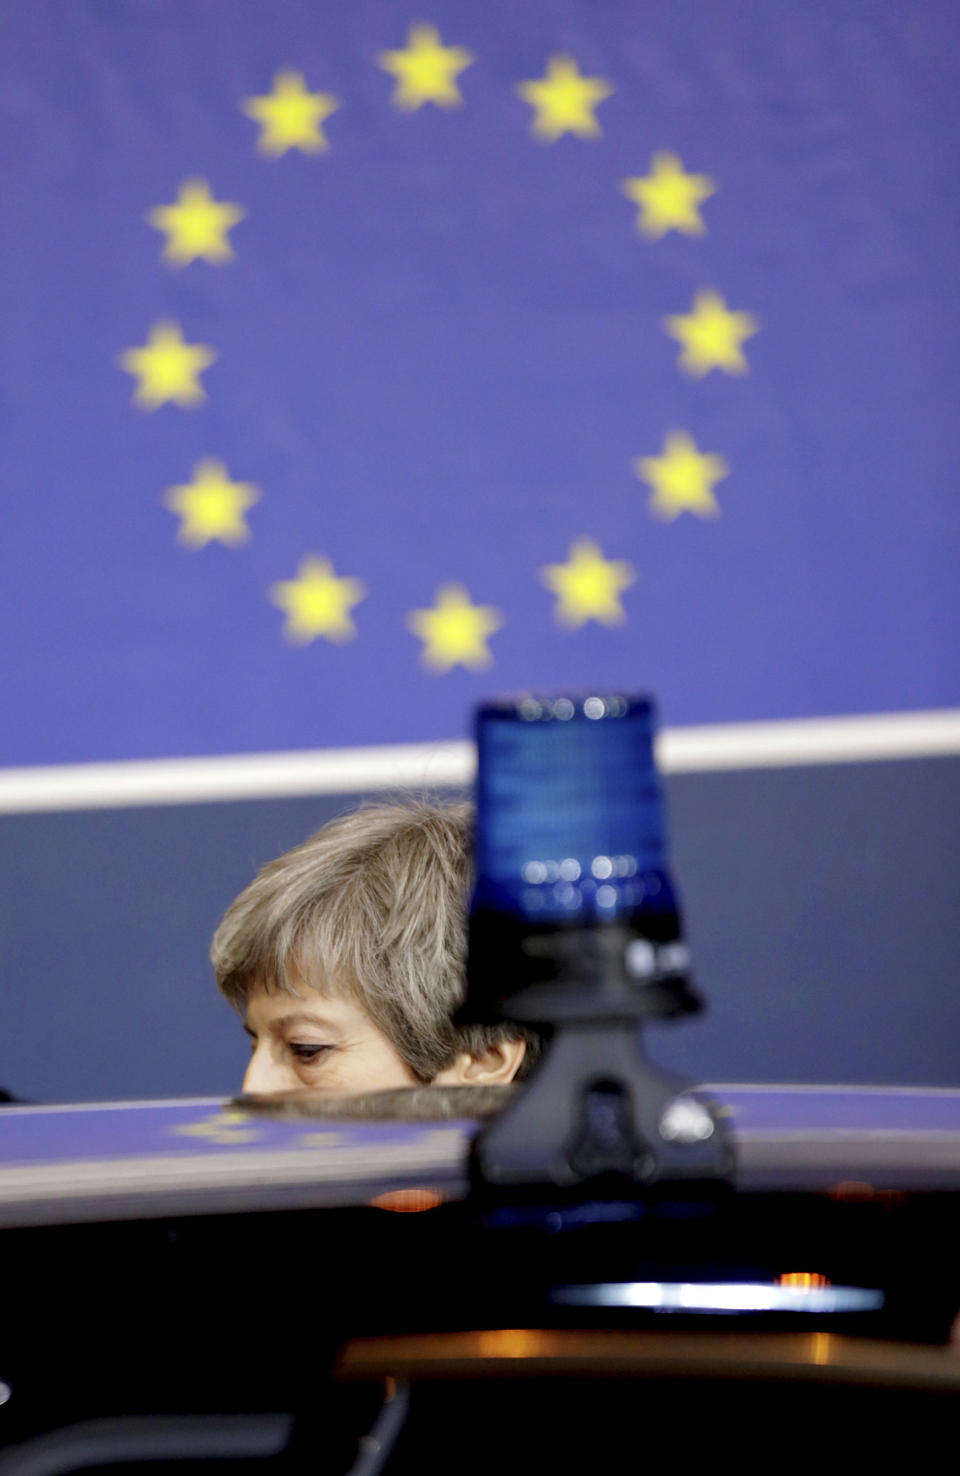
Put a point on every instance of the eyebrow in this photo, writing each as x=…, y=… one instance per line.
x=300, y=1019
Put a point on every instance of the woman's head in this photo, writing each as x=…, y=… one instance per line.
x=346, y=957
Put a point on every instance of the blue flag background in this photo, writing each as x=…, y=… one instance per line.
x=592, y=344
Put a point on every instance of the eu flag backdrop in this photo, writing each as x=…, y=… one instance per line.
x=362, y=359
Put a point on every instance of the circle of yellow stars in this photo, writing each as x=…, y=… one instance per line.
x=317, y=601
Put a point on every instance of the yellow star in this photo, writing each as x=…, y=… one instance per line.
x=564, y=100
x=711, y=335
x=682, y=478
x=291, y=117
x=317, y=602
x=196, y=225
x=225, y=1127
x=167, y=368
x=211, y=506
x=455, y=631
x=669, y=199
x=588, y=587
x=426, y=70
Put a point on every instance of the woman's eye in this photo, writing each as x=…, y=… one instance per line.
x=308, y=1053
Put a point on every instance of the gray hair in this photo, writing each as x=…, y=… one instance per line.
x=372, y=906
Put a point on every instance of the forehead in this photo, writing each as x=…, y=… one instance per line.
x=280, y=1009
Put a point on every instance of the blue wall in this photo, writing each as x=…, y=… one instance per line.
x=442, y=351
x=821, y=905
x=446, y=354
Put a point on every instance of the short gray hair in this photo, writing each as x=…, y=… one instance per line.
x=374, y=906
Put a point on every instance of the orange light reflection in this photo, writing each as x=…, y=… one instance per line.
x=408, y=1201
x=512, y=1342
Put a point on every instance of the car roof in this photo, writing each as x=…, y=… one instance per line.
x=62, y=1164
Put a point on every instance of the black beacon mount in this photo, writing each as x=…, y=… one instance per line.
x=575, y=930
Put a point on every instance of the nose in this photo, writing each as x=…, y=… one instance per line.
x=265, y=1073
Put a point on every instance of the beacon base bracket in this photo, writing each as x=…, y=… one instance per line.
x=597, y=1111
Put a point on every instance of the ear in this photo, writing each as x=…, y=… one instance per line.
x=495, y=1066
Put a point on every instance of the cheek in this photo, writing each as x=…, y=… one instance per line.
x=369, y=1066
